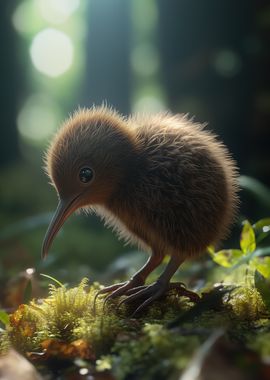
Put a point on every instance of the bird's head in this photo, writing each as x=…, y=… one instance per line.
x=87, y=161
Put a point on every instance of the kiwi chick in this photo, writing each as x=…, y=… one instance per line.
x=161, y=181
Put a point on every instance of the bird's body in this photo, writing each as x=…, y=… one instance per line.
x=161, y=181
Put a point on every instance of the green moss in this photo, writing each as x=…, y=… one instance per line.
x=261, y=344
x=247, y=304
x=157, y=353
x=67, y=315
x=66, y=324
x=4, y=341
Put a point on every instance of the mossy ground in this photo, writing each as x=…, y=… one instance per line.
x=66, y=325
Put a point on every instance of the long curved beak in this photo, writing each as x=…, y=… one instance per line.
x=64, y=209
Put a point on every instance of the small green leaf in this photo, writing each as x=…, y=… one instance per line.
x=247, y=239
x=27, y=292
x=262, y=265
x=227, y=257
x=262, y=229
x=211, y=250
x=4, y=317
x=263, y=286
x=52, y=278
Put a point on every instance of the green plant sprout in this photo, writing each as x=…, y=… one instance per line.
x=255, y=258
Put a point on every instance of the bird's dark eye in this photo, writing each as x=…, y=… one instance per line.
x=85, y=175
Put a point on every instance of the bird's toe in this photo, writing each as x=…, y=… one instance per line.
x=105, y=290
x=112, y=288
x=120, y=289
x=147, y=302
x=135, y=290
x=109, y=289
x=147, y=294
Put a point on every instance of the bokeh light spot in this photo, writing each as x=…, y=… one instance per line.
x=57, y=11
x=227, y=63
x=22, y=18
x=144, y=60
x=148, y=104
x=38, y=118
x=149, y=9
x=30, y=271
x=51, y=52
x=83, y=371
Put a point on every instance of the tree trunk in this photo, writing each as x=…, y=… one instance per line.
x=108, y=50
x=206, y=66
x=10, y=84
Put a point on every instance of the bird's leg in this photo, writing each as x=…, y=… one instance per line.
x=154, y=291
x=136, y=282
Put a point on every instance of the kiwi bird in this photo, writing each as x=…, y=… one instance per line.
x=161, y=181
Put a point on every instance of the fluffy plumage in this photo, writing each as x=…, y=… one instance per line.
x=161, y=181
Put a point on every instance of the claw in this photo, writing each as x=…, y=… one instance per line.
x=117, y=290
x=135, y=290
x=135, y=296
x=150, y=292
x=144, y=304
x=126, y=300
x=104, y=291
x=129, y=293
x=109, y=297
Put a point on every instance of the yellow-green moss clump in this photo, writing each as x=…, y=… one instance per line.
x=68, y=324
x=63, y=324
x=247, y=304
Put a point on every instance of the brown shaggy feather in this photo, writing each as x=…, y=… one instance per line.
x=161, y=180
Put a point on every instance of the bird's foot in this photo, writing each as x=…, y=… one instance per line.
x=135, y=290
x=149, y=293
x=120, y=289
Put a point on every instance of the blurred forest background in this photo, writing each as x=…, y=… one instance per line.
x=206, y=58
